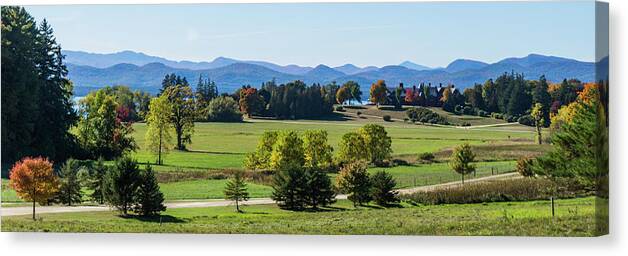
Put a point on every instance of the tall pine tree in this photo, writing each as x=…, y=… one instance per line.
x=148, y=197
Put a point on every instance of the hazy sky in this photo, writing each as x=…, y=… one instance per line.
x=431, y=34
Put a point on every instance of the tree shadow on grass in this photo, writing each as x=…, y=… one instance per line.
x=155, y=219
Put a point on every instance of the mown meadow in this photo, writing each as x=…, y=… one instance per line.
x=574, y=217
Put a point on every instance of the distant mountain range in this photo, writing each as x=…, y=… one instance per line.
x=89, y=71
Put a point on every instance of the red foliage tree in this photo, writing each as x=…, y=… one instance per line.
x=34, y=180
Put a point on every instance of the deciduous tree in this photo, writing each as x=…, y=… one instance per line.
x=34, y=180
x=158, y=133
x=378, y=93
x=181, y=99
x=539, y=120
x=352, y=148
x=377, y=142
x=287, y=151
x=317, y=152
x=354, y=181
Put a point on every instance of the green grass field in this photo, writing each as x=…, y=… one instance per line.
x=574, y=217
x=224, y=145
x=206, y=189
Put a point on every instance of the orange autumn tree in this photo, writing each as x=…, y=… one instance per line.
x=34, y=180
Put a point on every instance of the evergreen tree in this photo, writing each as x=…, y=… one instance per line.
x=236, y=190
x=148, y=197
x=289, y=188
x=36, y=99
x=541, y=95
x=461, y=160
x=519, y=101
x=318, y=188
x=122, y=183
x=354, y=181
x=383, y=192
x=69, y=185
x=97, y=181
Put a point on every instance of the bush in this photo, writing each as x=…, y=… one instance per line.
x=465, y=124
x=497, y=115
x=387, y=118
x=511, y=119
x=383, y=192
x=223, y=109
x=467, y=110
x=425, y=115
x=522, y=189
x=482, y=113
x=359, y=113
x=526, y=120
x=427, y=157
x=340, y=109
x=458, y=110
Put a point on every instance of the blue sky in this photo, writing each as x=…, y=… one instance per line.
x=428, y=33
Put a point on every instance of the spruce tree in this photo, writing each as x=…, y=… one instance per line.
x=319, y=188
x=122, y=183
x=69, y=185
x=97, y=181
x=289, y=188
x=148, y=197
x=236, y=190
x=383, y=192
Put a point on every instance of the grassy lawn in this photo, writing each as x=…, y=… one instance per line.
x=401, y=114
x=206, y=189
x=574, y=217
x=436, y=173
x=8, y=194
x=224, y=145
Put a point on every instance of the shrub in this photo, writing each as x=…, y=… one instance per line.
x=465, y=124
x=425, y=115
x=467, y=110
x=340, y=109
x=458, y=110
x=383, y=192
x=522, y=189
x=483, y=113
x=526, y=120
x=426, y=156
x=387, y=118
x=359, y=113
x=223, y=109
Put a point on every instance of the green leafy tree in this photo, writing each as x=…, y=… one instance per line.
x=352, y=148
x=181, y=99
x=98, y=181
x=354, y=181
x=158, y=133
x=461, y=160
x=148, y=198
x=122, y=183
x=69, y=186
x=383, y=192
x=342, y=95
x=289, y=188
x=260, y=159
x=101, y=131
x=287, y=151
x=539, y=120
x=236, y=190
x=378, y=93
x=319, y=189
x=223, y=109
x=317, y=152
x=377, y=142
